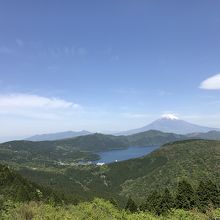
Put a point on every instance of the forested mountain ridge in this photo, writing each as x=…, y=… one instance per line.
x=74, y=150
x=193, y=160
x=85, y=148
x=16, y=188
x=180, y=162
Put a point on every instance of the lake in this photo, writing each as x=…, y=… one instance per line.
x=125, y=154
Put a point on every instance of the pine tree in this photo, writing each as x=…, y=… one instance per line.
x=185, y=197
x=207, y=195
x=131, y=206
x=153, y=203
x=167, y=202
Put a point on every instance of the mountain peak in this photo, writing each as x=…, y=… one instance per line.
x=172, y=124
x=169, y=116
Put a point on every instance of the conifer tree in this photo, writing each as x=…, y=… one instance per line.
x=208, y=194
x=167, y=202
x=153, y=203
x=185, y=197
x=131, y=206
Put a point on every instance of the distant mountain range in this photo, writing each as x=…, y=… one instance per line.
x=167, y=123
x=86, y=147
x=171, y=124
x=58, y=135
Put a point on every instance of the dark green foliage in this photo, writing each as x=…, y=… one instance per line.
x=161, y=169
x=137, y=178
x=185, y=197
x=152, y=203
x=14, y=187
x=113, y=202
x=167, y=202
x=153, y=137
x=158, y=203
x=131, y=206
x=193, y=160
x=41, y=154
x=208, y=195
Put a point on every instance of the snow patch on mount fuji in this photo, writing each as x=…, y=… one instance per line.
x=170, y=116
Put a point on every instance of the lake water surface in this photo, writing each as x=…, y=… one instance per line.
x=125, y=154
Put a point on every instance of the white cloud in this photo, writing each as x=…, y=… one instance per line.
x=33, y=101
x=24, y=114
x=212, y=83
x=20, y=106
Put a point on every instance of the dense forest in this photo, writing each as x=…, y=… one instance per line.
x=188, y=203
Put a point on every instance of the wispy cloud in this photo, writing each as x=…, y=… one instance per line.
x=34, y=106
x=212, y=83
x=33, y=101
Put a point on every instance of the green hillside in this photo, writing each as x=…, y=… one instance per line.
x=16, y=188
x=74, y=150
x=185, y=168
x=153, y=137
x=193, y=160
x=39, y=162
x=41, y=154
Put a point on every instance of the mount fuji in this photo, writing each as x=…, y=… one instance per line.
x=170, y=123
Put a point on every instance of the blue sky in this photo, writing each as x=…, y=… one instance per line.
x=107, y=65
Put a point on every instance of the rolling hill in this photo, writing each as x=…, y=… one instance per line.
x=193, y=160
x=19, y=189
x=74, y=150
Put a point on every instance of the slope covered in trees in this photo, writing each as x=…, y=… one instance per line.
x=192, y=160
x=170, y=182
x=96, y=210
x=14, y=187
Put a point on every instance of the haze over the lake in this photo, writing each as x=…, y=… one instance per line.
x=107, y=65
